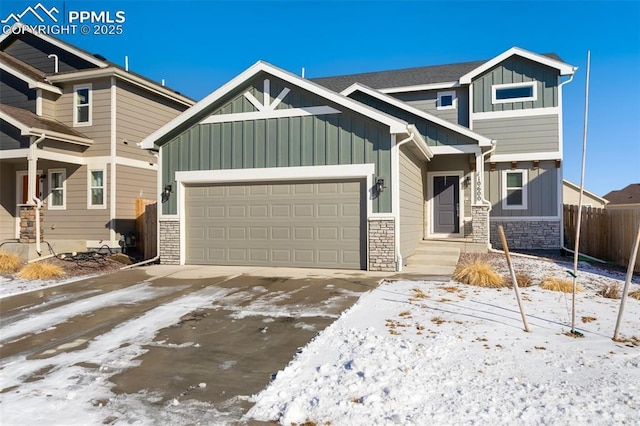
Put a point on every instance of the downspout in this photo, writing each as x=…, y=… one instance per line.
x=37, y=200
x=412, y=137
x=560, y=207
x=483, y=200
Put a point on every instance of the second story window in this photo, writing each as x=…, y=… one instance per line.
x=514, y=92
x=82, y=105
x=446, y=100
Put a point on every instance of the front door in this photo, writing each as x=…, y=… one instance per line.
x=446, y=204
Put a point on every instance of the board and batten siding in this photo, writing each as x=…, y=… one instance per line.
x=427, y=101
x=519, y=135
x=138, y=114
x=434, y=134
x=542, y=189
x=100, y=128
x=516, y=70
x=35, y=51
x=412, y=202
x=76, y=222
x=332, y=139
x=16, y=93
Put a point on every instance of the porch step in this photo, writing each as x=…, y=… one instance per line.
x=433, y=260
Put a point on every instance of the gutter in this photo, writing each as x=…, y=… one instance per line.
x=484, y=200
x=37, y=200
x=560, y=206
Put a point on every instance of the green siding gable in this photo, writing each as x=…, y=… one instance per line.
x=332, y=139
x=516, y=70
x=434, y=134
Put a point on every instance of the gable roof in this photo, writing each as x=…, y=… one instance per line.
x=30, y=75
x=630, y=194
x=34, y=125
x=482, y=140
x=440, y=76
x=396, y=125
x=575, y=187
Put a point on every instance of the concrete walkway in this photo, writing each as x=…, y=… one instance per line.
x=438, y=258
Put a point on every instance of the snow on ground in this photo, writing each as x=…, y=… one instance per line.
x=11, y=286
x=447, y=353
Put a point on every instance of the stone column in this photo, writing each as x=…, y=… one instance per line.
x=169, y=241
x=480, y=219
x=28, y=214
x=382, y=250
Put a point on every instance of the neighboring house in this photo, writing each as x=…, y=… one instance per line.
x=354, y=171
x=571, y=196
x=627, y=197
x=70, y=121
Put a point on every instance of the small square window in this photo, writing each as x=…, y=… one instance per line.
x=446, y=100
x=514, y=191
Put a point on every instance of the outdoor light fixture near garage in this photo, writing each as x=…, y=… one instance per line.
x=166, y=192
x=380, y=185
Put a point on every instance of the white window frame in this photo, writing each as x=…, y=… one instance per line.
x=50, y=205
x=525, y=181
x=454, y=100
x=496, y=87
x=104, y=188
x=77, y=87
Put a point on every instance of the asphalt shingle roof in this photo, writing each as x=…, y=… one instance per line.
x=630, y=194
x=405, y=77
x=31, y=120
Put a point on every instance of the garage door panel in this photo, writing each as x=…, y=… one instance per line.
x=304, y=224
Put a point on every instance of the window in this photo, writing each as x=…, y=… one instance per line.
x=446, y=100
x=514, y=92
x=57, y=189
x=96, y=195
x=82, y=105
x=514, y=189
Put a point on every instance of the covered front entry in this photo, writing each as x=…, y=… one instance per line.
x=289, y=223
x=446, y=204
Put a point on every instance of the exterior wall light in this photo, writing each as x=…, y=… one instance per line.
x=166, y=192
x=380, y=185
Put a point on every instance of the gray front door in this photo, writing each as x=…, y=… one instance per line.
x=446, y=204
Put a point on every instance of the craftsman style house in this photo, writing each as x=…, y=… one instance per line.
x=69, y=164
x=355, y=171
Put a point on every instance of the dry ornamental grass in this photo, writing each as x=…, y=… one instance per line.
x=41, y=271
x=635, y=294
x=556, y=284
x=9, y=262
x=478, y=272
x=610, y=291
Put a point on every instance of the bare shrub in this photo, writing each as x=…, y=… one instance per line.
x=522, y=279
x=41, y=271
x=9, y=262
x=610, y=291
x=479, y=272
x=556, y=284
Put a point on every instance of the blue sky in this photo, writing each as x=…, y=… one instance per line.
x=197, y=46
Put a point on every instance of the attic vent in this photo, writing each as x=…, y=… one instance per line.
x=99, y=56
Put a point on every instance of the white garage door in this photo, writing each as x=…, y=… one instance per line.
x=299, y=224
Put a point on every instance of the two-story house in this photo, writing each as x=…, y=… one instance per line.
x=70, y=169
x=355, y=171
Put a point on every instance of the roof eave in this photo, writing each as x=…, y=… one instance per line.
x=33, y=83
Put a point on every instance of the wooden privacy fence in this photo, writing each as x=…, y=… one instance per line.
x=605, y=233
x=146, y=223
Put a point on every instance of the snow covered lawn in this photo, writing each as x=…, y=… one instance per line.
x=446, y=353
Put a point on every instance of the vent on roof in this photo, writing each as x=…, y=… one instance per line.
x=99, y=56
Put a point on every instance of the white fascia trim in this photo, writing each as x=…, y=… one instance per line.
x=517, y=113
x=525, y=219
x=8, y=154
x=420, y=87
x=264, y=115
x=395, y=125
x=496, y=87
x=455, y=149
x=33, y=84
x=482, y=140
x=123, y=75
x=530, y=156
x=63, y=158
x=420, y=143
x=563, y=68
x=63, y=137
x=24, y=129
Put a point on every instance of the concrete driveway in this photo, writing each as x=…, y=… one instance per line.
x=169, y=334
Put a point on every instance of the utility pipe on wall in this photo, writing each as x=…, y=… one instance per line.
x=34, y=157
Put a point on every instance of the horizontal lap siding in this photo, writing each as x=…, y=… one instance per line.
x=15, y=92
x=49, y=104
x=426, y=100
x=132, y=183
x=522, y=134
x=411, y=202
x=516, y=70
x=7, y=201
x=10, y=137
x=139, y=114
x=542, y=189
x=34, y=51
